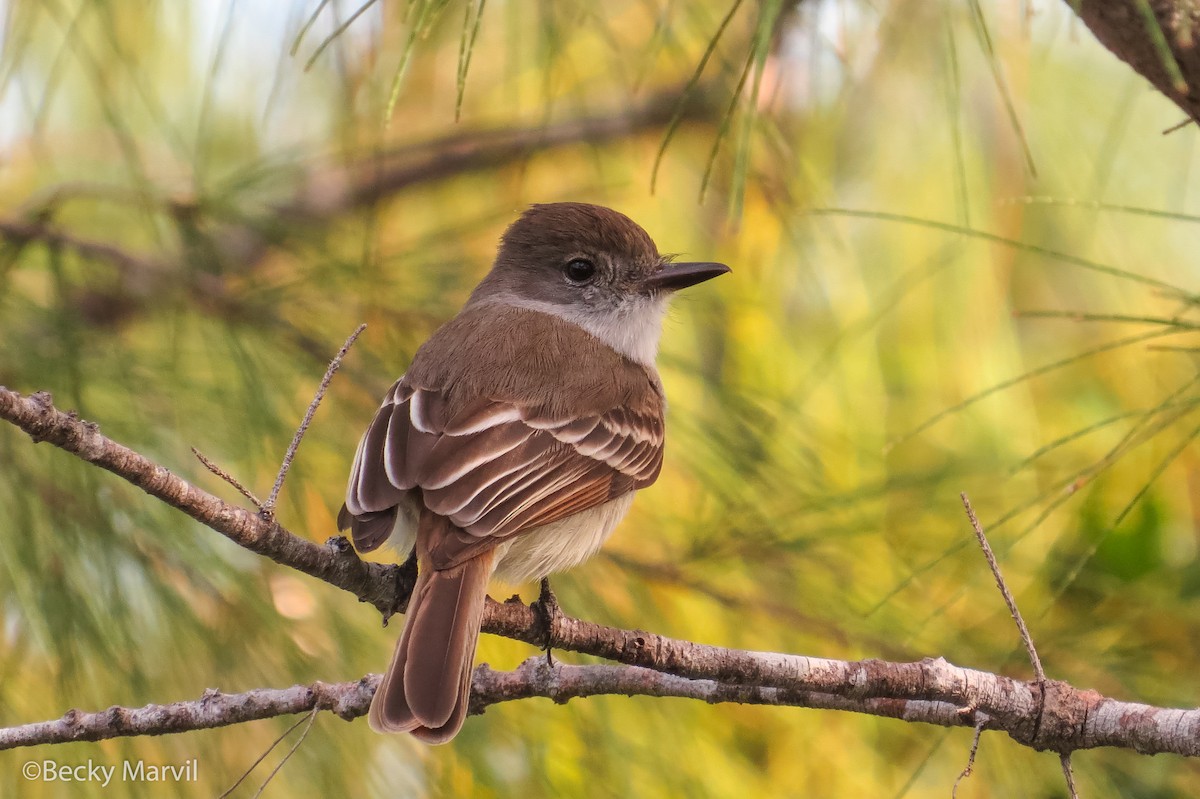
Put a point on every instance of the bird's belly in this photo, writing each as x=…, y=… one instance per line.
x=560, y=545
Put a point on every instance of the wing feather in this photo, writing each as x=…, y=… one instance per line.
x=373, y=490
x=395, y=447
x=466, y=501
x=453, y=457
x=494, y=468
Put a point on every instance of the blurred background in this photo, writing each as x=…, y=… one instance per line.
x=963, y=258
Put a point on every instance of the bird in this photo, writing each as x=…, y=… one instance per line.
x=515, y=441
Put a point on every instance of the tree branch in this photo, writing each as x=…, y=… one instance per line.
x=323, y=196
x=214, y=709
x=385, y=587
x=1041, y=714
x=1157, y=38
x=20, y=233
x=533, y=678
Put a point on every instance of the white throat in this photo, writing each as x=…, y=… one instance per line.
x=632, y=329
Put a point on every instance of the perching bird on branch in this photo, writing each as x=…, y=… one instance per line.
x=515, y=442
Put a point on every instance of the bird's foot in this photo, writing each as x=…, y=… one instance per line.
x=547, y=609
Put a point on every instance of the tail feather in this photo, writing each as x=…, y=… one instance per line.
x=428, y=683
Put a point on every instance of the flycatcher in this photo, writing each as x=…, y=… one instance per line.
x=516, y=440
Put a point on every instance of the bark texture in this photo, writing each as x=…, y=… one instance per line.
x=1157, y=38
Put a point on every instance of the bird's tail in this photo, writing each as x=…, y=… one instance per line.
x=427, y=686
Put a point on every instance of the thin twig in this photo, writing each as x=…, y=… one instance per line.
x=228, y=478
x=1178, y=126
x=308, y=717
x=1065, y=760
x=268, y=508
x=981, y=720
x=1008, y=597
x=311, y=718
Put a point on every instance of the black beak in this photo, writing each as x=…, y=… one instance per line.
x=675, y=276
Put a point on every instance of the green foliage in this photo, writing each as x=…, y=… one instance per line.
x=913, y=312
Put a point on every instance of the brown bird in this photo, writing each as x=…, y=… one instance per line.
x=514, y=443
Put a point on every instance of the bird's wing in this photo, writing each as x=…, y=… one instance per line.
x=495, y=468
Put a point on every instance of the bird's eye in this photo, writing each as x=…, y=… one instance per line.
x=579, y=271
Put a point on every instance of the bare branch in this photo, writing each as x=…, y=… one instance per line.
x=214, y=709
x=533, y=678
x=561, y=683
x=1043, y=715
